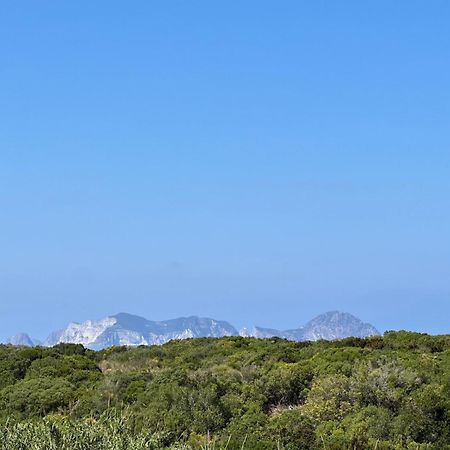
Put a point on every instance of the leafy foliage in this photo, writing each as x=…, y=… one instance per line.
x=390, y=392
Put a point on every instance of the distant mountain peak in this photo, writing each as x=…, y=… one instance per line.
x=337, y=325
x=21, y=339
x=329, y=325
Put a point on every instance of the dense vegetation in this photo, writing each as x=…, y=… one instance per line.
x=390, y=392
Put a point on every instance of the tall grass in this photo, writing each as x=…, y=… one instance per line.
x=109, y=433
x=114, y=433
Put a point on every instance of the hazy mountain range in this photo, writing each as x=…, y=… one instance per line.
x=131, y=330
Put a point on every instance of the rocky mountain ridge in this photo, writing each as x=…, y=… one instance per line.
x=130, y=330
x=331, y=325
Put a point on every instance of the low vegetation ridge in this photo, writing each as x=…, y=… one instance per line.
x=381, y=392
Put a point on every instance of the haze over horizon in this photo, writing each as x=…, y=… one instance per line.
x=240, y=161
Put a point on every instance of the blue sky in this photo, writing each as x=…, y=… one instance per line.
x=259, y=162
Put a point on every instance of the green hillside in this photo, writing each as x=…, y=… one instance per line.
x=390, y=392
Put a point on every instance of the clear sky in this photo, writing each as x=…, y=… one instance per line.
x=255, y=161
